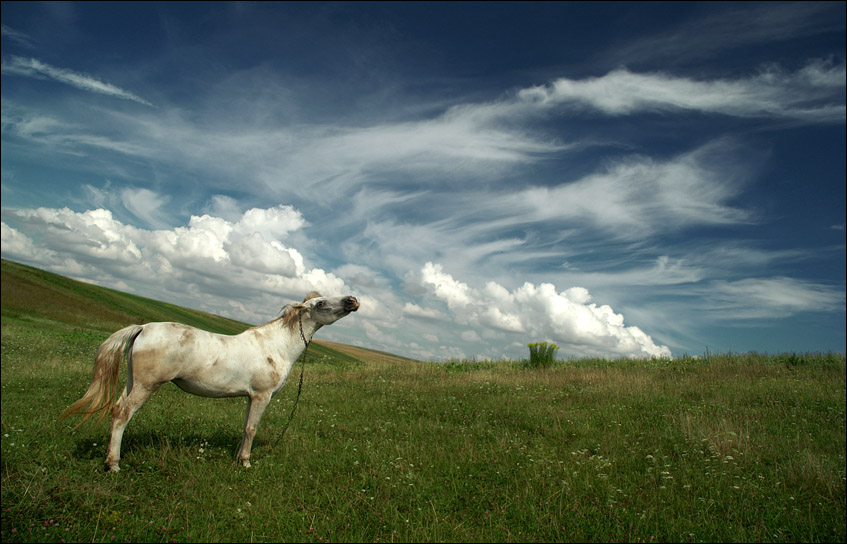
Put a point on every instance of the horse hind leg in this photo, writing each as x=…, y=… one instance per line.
x=124, y=409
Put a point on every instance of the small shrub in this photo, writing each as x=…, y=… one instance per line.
x=542, y=354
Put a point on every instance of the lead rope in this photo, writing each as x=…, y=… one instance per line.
x=299, y=386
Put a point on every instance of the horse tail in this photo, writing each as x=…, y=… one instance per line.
x=102, y=392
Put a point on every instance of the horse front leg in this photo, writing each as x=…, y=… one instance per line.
x=256, y=405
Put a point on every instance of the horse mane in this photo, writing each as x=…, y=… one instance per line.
x=291, y=312
x=311, y=295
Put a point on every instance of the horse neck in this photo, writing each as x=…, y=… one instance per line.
x=290, y=337
x=309, y=329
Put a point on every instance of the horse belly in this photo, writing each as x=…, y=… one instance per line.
x=206, y=389
x=219, y=376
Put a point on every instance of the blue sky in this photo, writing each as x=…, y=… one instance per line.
x=622, y=179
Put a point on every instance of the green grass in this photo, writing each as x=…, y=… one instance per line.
x=741, y=448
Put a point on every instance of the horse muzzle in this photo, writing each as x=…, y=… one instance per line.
x=351, y=304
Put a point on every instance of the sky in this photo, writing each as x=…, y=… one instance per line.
x=621, y=179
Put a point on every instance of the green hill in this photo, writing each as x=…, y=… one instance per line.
x=33, y=298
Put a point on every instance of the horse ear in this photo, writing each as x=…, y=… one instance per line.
x=311, y=295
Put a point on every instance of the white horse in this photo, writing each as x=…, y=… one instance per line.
x=254, y=364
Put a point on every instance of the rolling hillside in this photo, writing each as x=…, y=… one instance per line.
x=35, y=298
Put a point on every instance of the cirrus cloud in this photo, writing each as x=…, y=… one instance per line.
x=813, y=93
x=35, y=68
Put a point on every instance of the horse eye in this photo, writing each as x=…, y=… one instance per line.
x=321, y=304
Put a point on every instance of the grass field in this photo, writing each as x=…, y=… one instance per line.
x=733, y=447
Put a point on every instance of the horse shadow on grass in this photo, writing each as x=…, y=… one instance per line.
x=163, y=444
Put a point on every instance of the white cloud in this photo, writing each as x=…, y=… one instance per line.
x=630, y=200
x=814, y=93
x=471, y=143
x=731, y=25
x=771, y=297
x=20, y=38
x=542, y=313
x=17, y=244
x=225, y=207
x=272, y=223
x=361, y=275
x=663, y=271
x=35, y=68
x=640, y=196
x=379, y=335
x=255, y=253
x=94, y=234
x=413, y=310
x=201, y=265
x=145, y=204
x=456, y=294
x=75, y=138
x=470, y=336
x=435, y=192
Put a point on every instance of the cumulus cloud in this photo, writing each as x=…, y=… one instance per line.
x=208, y=260
x=413, y=310
x=568, y=318
x=94, y=234
x=35, y=68
x=15, y=243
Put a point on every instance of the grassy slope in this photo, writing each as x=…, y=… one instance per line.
x=35, y=298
